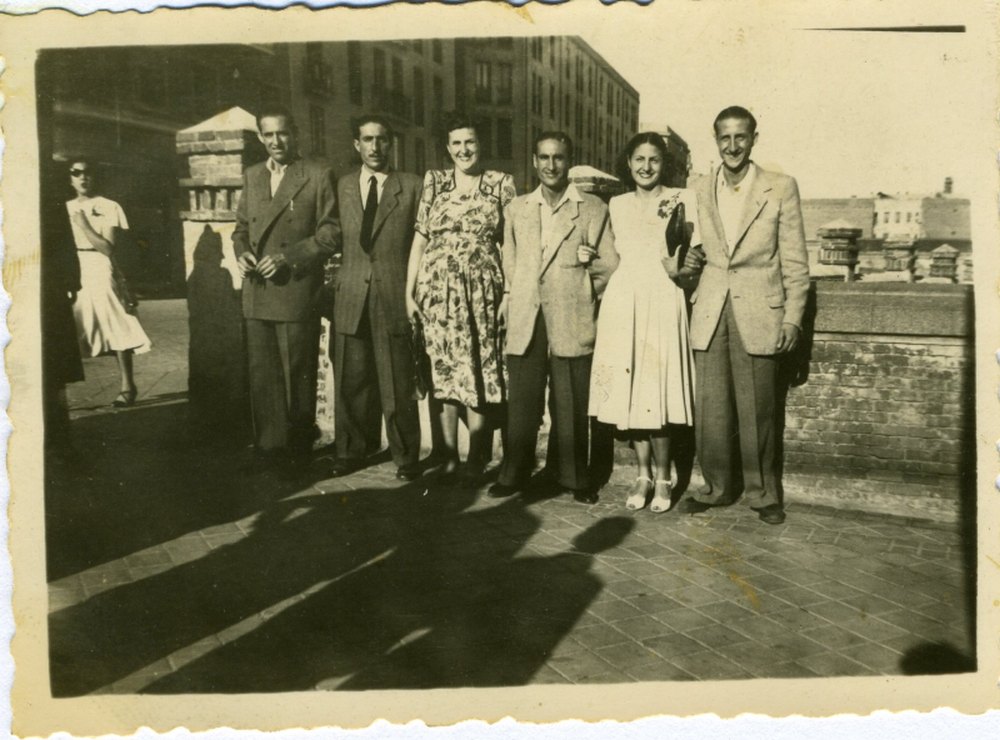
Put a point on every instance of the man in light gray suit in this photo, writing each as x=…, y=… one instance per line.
x=557, y=257
x=747, y=311
x=373, y=362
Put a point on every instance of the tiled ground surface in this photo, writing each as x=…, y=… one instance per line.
x=173, y=570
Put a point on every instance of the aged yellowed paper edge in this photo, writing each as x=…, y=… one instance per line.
x=35, y=713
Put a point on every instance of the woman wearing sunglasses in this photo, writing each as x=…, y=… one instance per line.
x=104, y=309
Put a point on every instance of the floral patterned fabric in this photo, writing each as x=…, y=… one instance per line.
x=460, y=285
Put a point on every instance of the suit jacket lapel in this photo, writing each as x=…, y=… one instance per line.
x=713, y=197
x=756, y=200
x=351, y=207
x=565, y=222
x=387, y=203
x=291, y=184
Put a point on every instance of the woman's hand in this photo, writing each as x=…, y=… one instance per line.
x=503, y=309
x=412, y=309
x=79, y=218
x=694, y=262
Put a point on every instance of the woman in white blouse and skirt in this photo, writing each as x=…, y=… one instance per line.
x=642, y=380
x=104, y=309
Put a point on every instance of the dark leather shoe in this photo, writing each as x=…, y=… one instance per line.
x=583, y=495
x=772, y=514
x=692, y=506
x=502, y=490
x=343, y=466
x=408, y=472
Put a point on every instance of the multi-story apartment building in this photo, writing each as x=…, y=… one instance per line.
x=518, y=87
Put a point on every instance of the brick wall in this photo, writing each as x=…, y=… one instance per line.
x=883, y=417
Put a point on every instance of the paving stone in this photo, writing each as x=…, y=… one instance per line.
x=661, y=670
x=613, y=611
x=670, y=646
x=654, y=603
x=628, y=587
x=579, y=666
x=833, y=636
x=624, y=655
x=870, y=604
x=834, y=664
x=548, y=675
x=760, y=628
x=800, y=596
x=712, y=636
x=599, y=636
x=725, y=611
x=684, y=619
x=709, y=666
x=642, y=628
x=880, y=659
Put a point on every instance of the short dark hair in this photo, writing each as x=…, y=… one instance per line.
x=358, y=121
x=561, y=136
x=276, y=110
x=643, y=137
x=738, y=112
x=454, y=120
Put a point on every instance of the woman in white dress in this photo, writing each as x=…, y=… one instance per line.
x=643, y=373
x=103, y=310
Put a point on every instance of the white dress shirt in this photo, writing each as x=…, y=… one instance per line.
x=547, y=213
x=732, y=203
x=365, y=183
x=277, y=173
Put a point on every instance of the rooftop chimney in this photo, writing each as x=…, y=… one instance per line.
x=948, y=182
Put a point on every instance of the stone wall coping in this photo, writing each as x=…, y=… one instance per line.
x=893, y=308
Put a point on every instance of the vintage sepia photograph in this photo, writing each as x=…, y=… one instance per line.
x=518, y=356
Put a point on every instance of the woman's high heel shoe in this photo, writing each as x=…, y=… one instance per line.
x=125, y=398
x=661, y=497
x=640, y=491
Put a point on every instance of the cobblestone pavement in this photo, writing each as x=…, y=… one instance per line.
x=173, y=569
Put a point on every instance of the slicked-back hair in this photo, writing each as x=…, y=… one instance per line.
x=643, y=137
x=358, y=121
x=276, y=110
x=738, y=112
x=561, y=136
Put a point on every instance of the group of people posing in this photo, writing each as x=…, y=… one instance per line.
x=518, y=294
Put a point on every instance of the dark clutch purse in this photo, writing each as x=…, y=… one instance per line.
x=678, y=239
x=421, y=362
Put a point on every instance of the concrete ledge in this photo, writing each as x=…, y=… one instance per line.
x=887, y=308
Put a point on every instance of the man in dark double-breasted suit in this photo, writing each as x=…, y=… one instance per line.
x=373, y=362
x=286, y=226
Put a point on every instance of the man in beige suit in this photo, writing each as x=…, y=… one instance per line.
x=747, y=310
x=558, y=254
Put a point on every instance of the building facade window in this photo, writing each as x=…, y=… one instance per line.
x=420, y=150
x=505, y=138
x=419, y=117
x=354, y=72
x=484, y=132
x=505, y=83
x=378, y=77
x=483, y=82
x=317, y=129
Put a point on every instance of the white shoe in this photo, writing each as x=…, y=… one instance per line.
x=640, y=491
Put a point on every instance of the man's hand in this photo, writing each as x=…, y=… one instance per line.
x=246, y=263
x=694, y=262
x=585, y=254
x=789, y=338
x=504, y=308
x=270, y=266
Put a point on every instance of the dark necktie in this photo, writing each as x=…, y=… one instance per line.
x=368, y=219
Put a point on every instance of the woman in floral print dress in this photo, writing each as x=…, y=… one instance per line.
x=454, y=287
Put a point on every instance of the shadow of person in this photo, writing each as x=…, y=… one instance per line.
x=935, y=658
x=217, y=380
x=300, y=546
x=507, y=632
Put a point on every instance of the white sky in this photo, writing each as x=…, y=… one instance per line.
x=846, y=113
